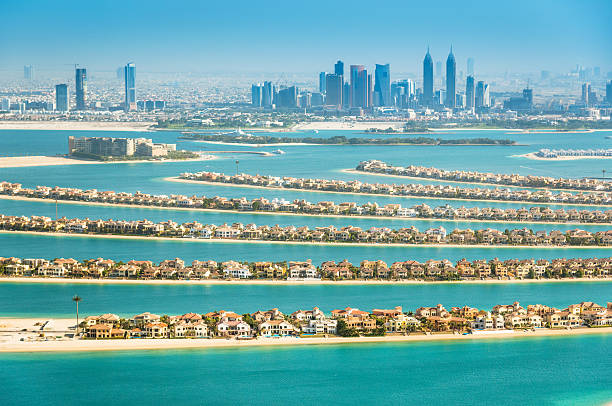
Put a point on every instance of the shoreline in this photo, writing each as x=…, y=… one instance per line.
x=318, y=243
x=68, y=125
x=204, y=182
x=283, y=282
x=40, y=160
x=534, y=157
x=165, y=343
x=357, y=172
x=283, y=213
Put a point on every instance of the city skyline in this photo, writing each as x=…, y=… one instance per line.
x=521, y=41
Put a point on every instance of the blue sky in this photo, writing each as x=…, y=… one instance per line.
x=292, y=36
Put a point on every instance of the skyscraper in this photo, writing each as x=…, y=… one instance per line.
x=528, y=97
x=129, y=76
x=339, y=68
x=586, y=91
x=61, y=97
x=267, y=94
x=482, y=95
x=80, y=88
x=382, y=85
x=451, y=77
x=359, y=86
x=609, y=92
x=470, y=95
x=28, y=72
x=334, y=87
x=322, y=80
x=256, y=94
x=470, y=66
x=428, y=79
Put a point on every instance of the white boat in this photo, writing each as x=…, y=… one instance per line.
x=278, y=152
x=238, y=132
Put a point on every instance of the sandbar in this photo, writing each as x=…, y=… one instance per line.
x=144, y=126
x=30, y=161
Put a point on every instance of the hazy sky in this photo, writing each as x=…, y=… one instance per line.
x=292, y=36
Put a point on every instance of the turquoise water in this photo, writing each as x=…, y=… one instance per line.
x=551, y=371
x=548, y=371
x=53, y=300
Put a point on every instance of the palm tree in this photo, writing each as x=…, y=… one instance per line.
x=76, y=299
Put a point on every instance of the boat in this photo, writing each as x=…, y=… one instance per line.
x=278, y=152
x=238, y=132
x=315, y=131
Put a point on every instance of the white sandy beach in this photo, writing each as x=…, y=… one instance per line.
x=349, y=125
x=31, y=161
x=10, y=342
x=318, y=243
x=77, y=125
x=352, y=282
x=203, y=182
x=281, y=213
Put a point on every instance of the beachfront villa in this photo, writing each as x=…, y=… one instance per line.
x=227, y=324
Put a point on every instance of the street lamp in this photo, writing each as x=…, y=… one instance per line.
x=76, y=299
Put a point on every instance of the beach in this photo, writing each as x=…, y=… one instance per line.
x=9, y=342
x=203, y=182
x=30, y=161
x=349, y=125
x=283, y=282
x=78, y=125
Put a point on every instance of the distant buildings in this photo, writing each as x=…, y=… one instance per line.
x=322, y=82
x=339, y=68
x=256, y=94
x=382, y=85
x=470, y=66
x=609, y=92
x=470, y=93
x=523, y=103
x=28, y=72
x=267, y=95
x=287, y=97
x=482, y=99
x=334, y=85
x=428, y=79
x=61, y=97
x=118, y=147
x=129, y=75
x=81, y=88
x=359, y=83
x=451, y=80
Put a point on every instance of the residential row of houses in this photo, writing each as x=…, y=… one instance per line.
x=536, y=213
x=347, y=234
x=438, y=191
x=177, y=269
x=375, y=166
x=345, y=322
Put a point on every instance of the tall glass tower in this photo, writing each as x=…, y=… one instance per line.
x=428, y=79
x=129, y=74
x=81, y=88
x=451, y=76
x=382, y=85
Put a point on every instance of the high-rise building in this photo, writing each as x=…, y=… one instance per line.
x=81, y=88
x=334, y=85
x=339, y=68
x=359, y=86
x=287, y=97
x=61, y=97
x=609, y=92
x=382, y=85
x=528, y=97
x=257, y=94
x=267, y=94
x=129, y=76
x=470, y=95
x=470, y=66
x=5, y=104
x=322, y=81
x=451, y=80
x=28, y=72
x=428, y=79
x=482, y=95
x=346, y=95
x=586, y=91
